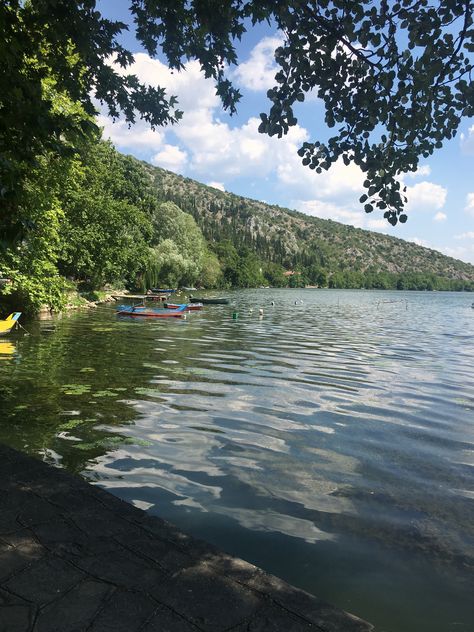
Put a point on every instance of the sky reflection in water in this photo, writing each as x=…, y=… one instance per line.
x=331, y=442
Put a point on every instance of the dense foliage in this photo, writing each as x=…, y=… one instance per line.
x=93, y=220
x=394, y=76
x=99, y=218
x=107, y=225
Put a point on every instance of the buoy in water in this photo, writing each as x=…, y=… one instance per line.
x=260, y=311
x=235, y=315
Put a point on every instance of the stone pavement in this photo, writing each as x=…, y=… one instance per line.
x=75, y=558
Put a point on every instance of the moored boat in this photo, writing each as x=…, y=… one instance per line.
x=140, y=297
x=148, y=312
x=210, y=301
x=7, y=325
x=158, y=290
x=189, y=308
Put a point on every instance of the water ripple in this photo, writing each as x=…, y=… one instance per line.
x=338, y=432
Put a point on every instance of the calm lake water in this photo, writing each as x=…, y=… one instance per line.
x=330, y=442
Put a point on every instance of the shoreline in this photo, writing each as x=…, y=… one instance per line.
x=75, y=557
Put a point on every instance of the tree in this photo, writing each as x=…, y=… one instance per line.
x=394, y=76
x=249, y=269
x=229, y=260
x=170, y=222
x=68, y=43
x=31, y=223
x=211, y=273
x=274, y=274
x=173, y=267
x=179, y=248
x=106, y=226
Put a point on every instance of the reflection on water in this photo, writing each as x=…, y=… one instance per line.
x=7, y=349
x=331, y=442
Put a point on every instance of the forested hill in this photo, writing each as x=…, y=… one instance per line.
x=97, y=218
x=295, y=240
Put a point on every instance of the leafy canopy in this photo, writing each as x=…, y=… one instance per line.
x=178, y=245
x=395, y=76
x=106, y=224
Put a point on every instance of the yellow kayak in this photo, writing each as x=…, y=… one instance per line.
x=7, y=325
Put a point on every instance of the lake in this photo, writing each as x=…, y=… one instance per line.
x=330, y=441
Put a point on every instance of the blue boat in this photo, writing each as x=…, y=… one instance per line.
x=189, y=308
x=143, y=311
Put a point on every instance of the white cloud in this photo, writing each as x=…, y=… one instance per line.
x=329, y=210
x=426, y=196
x=468, y=235
x=216, y=185
x=235, y=152
x=196, y=96
x=424, y=170
x=346, y=214
x=419, y=242
x=211, y=144
x=205, y=145
x=258, y=72
x=467, y=141
x=341, y=184
x=465, y=253
x=189, y=84
x=138, y=136
x=469, y=208
x=170, y=157
x=440, y=217
x=380, y=225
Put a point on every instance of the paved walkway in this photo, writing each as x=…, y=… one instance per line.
x=75, y=558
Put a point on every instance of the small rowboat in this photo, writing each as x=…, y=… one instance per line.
x=189, y=308
x=140, y=297
x=7, y=325
x=158, y=290
x=147, y=312
x=210, y=301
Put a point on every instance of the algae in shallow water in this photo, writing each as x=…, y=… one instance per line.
x=75, y=389
x=73, y=423
x=106, y=393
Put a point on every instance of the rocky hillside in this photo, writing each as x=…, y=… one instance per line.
x=292, y=238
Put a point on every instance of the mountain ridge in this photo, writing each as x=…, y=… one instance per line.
x=293, y=239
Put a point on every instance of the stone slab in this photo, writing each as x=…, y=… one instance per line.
x=75, y=558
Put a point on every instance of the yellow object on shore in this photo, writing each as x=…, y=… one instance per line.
x=7, y=325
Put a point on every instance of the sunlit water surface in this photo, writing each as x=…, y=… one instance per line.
x=330, y=441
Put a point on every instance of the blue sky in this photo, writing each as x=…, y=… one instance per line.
x=228, y=152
